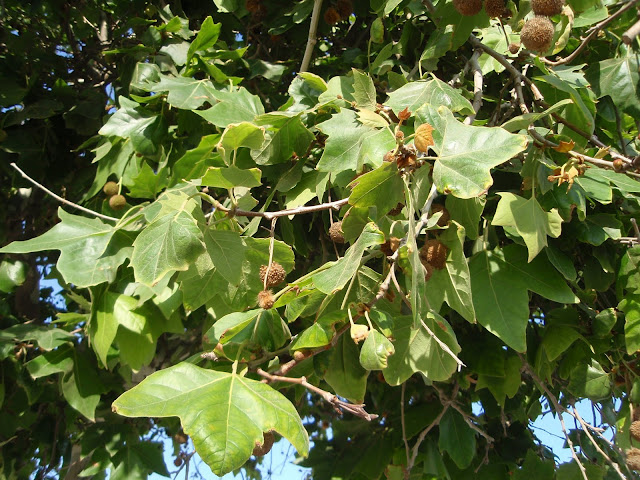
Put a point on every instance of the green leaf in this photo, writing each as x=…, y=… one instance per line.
x=534, y=468
x=238, y=135
x=143, y=127
x=90, y=253
x=433, y=92
x=256, y=328
x=320, y=333
x=364, y=92
x=453, y=283
x=337, y=275
x=618, y=78
x=50, y=363
x=227, y=251
x=416, y=351
x=235, y=106
x=382, y=188
x=81, y=387
x=230, y=177
x=530, y=220
x=599, y=227
x=47, y=337
x=503, y=386
x=375, y=351
x=13, y=273
x=630, y=305
x=466, y=154
x=590, y=380
x=287, y=135
x=103, y=326
x=206, y=38
x=186, y=93
x=168, y=244
x=218, y=410
x=351, y=144
x=344, y=372
x=522, y=122
x=457, y=438
x=467, y=212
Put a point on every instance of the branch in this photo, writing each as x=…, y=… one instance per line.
x=340, y=405
x=282, y=213
x=443, y=345
x=477, y=85
x=62, y=200
x=629, y=35
x=311, y=40
x=403, y=423
x=559, y=411
x=423, y=434
x=594, y=31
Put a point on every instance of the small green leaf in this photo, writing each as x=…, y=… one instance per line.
x=344, y=372
x=382, y=188
x=218, y=410
x=531, y=221
x=457, y=438
x=12, y=274
x=50, y=363
x=206, y=38
x=364, y=92
x=375, y=351
x=230, y=177
x=238, y=135
x=590, y=380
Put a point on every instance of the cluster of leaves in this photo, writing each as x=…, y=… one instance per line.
x=230, y=159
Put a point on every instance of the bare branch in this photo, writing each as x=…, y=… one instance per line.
x=340, y=405
x=443, y=345
x=477, y=85
x=629, y=35
x=311, y=40
x=63, y=200
x=403, y=422
x=282, y=213
x=423, y=435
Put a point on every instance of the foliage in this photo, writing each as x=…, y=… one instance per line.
x=479, y=277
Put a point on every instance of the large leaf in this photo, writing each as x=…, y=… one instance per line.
x=90, y=250
x=227, y=251
x=618, y=78
x=233, y=107
x=416, y=351
x=382, y=188
x=433, y=92
x=457, y=438
x=224, y=413
x=530, y=220
x=187, y=93
x=168, y=244
x=344, y=372
x=466, y=153
x=257, y=328
x=286, y=136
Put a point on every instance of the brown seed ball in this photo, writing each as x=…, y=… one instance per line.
x=618, y=165
x=548, y=8
x=396, y=210
x=424, y=138
x=443, y=221
x=265, y=299
x=336, y=233
x=117, y=202
x=110, y=189
x=537, y=34
x=261, y=449
x=468, y=8
x=514, y=48
x=331, y=16
x=177, y=462
x=633, y=458
x=635, y=430
x=276, y=274
x=494, y=8
x=434, y=252
x=344, y=8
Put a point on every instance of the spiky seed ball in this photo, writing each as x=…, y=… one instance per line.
x=336, y=233
x=276, y=274
x=537, y=34
x=468, y=8
x=514, y=48
x=635, y=430
x=434, y=252
x=117, y=202
x=443, y=221
x=548, y=8
x=265, y=299
x=261, y=449
x=110, y=189
x=494, y=8
x=344, y=8
x=423, y=139
x=633, y=458
x=331, y=16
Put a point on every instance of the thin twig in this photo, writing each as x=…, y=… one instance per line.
x=62, y=200
x=281, y=213
x=443, y=345
x=594, y=31
x=423, y=434
x=340, y=405
x=559, y=411
x=311, y=40
x=631, y=33
x=585, y=429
